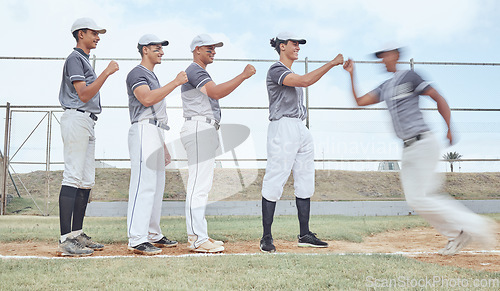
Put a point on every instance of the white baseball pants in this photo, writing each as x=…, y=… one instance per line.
x=77, y=131
x=200, y=140
x=147, y=183
x=289, y=147
x=421, y=185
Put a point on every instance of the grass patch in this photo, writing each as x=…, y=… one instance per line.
x=261, y=271
x=228, y=228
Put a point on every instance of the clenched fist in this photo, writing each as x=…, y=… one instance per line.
x=181, y=78
x=112, y=68
x=338, y=60
x=248, y=71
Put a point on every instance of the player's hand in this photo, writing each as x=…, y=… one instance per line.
x=449, y=136
x=248, y=71
x=168, y=158
x=181, y=78
x=349, y=66
x=338, y=60
x=112, y=68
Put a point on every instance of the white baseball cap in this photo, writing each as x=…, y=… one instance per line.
x=203, y=40
x=148, y=39
x=289, y=36
x=389, y=47
x=86, y=23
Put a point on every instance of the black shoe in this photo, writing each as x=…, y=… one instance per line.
x=145, y=249
x=310, y=240
x=88, y=242
x=164, y=243
x=266, y=244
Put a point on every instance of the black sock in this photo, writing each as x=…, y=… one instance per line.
x=268, y=208
x=66, y=205
x=303, y=212
x=81, y=201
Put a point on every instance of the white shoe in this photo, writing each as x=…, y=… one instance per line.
x=456, y=245
x=208, y=247
x=192, y=240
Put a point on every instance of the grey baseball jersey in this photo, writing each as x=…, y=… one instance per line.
x=194, y=102
x=401, y=93
x=284, y=101
x=140, y=75
x=77, y=67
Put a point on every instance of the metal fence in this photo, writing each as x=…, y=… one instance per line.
x=31, y=140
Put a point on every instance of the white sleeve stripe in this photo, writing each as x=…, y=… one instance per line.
x=279, y=80
x=138, y=84
x=202, y=82
x=76, y=76
x=422, y=86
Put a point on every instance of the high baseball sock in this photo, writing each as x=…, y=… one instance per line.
x=66, y=205
x=303, y=211
x=81, y=201
x=268, y=208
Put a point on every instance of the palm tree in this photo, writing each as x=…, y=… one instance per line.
x=452, y=157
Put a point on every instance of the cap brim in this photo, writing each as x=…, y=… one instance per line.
x=163, y=43
x=379, y=53
x=300, y=41
x=217, y=44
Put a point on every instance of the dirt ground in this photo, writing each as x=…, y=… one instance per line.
x=419, y=243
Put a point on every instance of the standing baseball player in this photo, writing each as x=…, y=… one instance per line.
x=79, y=97
x=200, y=102
x=148, y=153
x=289, y=142
x=421, y=154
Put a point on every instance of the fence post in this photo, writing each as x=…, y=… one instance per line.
x=5, y=163
x=306, y=64
x=93, y=61
x=47, y=159
x=412, y=64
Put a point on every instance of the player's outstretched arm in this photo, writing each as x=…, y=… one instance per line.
x=306, y=80
x=86, y=93
x=222, y=90
x=364, y=100
x=149, y=97
x=443, y=109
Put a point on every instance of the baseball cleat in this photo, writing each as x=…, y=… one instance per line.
x=310, y=240
x=456, y=245
x=208, y=247
x=164, y=242
x=266, y=244
x=73, y=248
x=88, y=242
x=192, y=240
x=145, y=249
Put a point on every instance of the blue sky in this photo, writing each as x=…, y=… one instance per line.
x=449, y=30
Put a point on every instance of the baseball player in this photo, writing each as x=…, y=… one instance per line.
x=421, y=154
x=200, y=102
x=148, y=152
x=79, y=97
x=289, y=142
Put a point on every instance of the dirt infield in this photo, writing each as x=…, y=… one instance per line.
x=418, y=243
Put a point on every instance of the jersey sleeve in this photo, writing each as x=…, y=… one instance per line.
x=197, y=77
x=377, y=92
x=136, y=79
x=74, y=68
x=418, y=83
x=278, y=73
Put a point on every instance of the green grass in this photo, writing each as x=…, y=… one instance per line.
x=261, y=272
x=225, y=272
x=228, y=228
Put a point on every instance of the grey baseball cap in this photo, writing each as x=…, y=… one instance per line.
x=86, y=23
x=289, y=36
x=148, y=39
x=203, y=40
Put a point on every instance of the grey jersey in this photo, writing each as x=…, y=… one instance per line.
x=401, y=93
x=194, y=102
x=77, y=67
x=284, y=101
x=140, y=75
